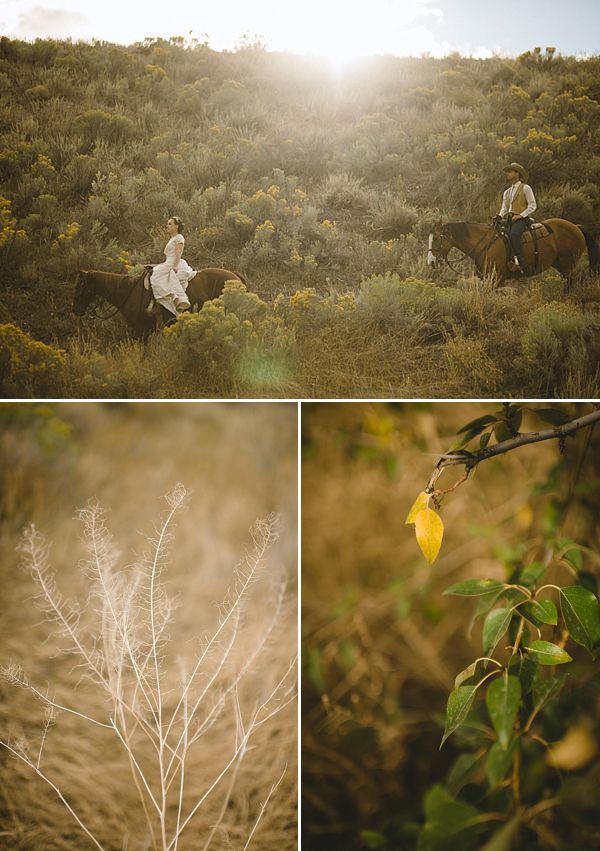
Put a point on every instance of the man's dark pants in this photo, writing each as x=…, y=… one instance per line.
x=515, y=234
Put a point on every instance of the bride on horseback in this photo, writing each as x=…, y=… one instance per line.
x=170, y=279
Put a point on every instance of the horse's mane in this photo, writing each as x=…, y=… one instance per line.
x=459, y=230
x=114, y=277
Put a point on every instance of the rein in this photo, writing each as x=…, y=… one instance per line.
x=108, y=314
x=115, y=308
x=449, y=264
x=469, y=253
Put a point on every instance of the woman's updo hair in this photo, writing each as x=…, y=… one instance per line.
x=178, y=222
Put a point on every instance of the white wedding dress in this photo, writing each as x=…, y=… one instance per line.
x=168, y=286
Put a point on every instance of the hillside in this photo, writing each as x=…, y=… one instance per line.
x=308, y=182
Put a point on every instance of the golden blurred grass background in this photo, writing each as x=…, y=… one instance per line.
x=240, y=459
x=381, y=645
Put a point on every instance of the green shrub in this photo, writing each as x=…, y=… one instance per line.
x=393, y=217
x=308, y=311
x=37, y=93
x=560, y=342
x=79, y=176
x=98, y=124
x=395, y=303
x=343, y=192
x=232, y=354
x=574, y=205
x=27, y=367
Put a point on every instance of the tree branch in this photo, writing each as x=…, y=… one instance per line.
x=471, y=459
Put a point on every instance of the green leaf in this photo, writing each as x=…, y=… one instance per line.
x=475, y=587
x=450, y=825
x=546, y=653
x=545, y=690
x=502, y=432
x=588, y=581
x=429, y=530
x=459, y=703
x=494, y=627
x=373, y=839
x=526, y=670
x=419, y=504
x=581, y=614
x=502, y=701
x=499, y=762
x=466, y=674
x=555, y=416
x=463, y=769
x=516, y=595
x=486, y=601
x=539, y=612
x=515, y=415
x=501, y=429
x=572, y=552
x=480, y=423
x=458, y=444
x=313, y=668
x=502, y=840
x=348, y=653
x=532, y=575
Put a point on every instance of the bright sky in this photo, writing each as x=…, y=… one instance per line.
x=340, y=29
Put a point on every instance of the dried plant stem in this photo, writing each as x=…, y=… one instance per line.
x=152, y=716
x=44, y=777
x=263, y=807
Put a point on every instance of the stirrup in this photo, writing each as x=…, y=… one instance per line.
x=153, y=309
x=515, y=268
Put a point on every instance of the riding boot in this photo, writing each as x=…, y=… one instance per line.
x=515, y=236
x=515, y=267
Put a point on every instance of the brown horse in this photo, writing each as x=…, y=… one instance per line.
x=558, y=243
x=130, y=297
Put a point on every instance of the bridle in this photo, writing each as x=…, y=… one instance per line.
x=444, y=233
x=113, y=309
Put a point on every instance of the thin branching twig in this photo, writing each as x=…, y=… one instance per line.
x=158, y=721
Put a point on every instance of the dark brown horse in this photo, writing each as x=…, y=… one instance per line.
x=130, y=297
x=559, y=244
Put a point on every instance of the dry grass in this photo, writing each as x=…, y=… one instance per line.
x=410, y=336
x=240, y=459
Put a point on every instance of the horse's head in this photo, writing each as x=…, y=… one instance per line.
x=84, y=293
x=439, y=243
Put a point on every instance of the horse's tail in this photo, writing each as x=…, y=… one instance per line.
x=592, y=248
x=245, y=282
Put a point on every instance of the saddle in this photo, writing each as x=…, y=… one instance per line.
x=148, y=269
x=535, y=231
x=532, y=233
x=151, y=310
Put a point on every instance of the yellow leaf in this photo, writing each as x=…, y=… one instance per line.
x=429, y=530
x=420, y=503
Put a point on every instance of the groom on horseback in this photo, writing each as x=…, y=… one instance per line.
x=518, y=203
